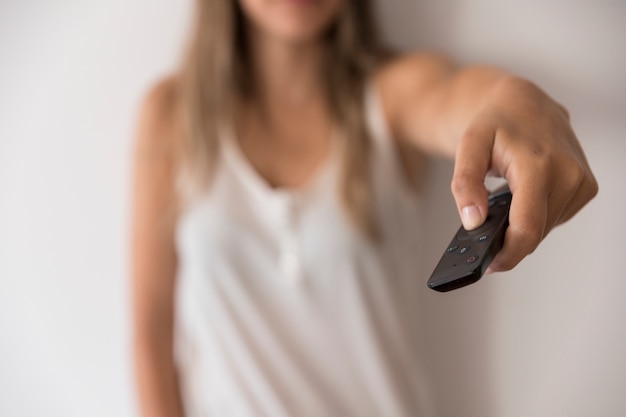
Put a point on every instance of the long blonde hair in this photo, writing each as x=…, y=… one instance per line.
x=215, y=74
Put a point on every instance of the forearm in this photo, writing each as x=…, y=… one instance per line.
x=447, y=110
x=431, y=102
x=455, y=106
x=157, y=380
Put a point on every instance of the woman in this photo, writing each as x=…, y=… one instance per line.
x=275, y=231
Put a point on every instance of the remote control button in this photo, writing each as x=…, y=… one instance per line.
x=451, y=249
x=498, y=202
x=464, y=249
x=472, y=259
x=482, y=238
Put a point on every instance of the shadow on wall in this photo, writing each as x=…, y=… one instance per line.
x=458, y=331
x=407, y=25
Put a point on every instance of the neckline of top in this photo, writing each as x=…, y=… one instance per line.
x=252, y=178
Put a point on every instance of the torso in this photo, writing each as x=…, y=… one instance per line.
x=284, y=308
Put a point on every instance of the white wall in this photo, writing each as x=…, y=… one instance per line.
x=71, y=77
x=546, y=339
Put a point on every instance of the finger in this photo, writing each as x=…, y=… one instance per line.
x=472, y=162
x=527, y=223
x=578, y=187
x=585, y=189
x=557, y=203
x=585, y=193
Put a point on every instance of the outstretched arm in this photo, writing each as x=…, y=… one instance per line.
x=154, y=258
x=493, y=122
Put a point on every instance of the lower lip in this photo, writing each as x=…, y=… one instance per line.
x=301, y=2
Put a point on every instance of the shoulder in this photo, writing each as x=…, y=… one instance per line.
x=161, y=97
x=157, y=146
x=404, y=81
x=159, y=124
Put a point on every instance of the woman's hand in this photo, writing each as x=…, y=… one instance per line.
x=492, y=123
x=524, y=136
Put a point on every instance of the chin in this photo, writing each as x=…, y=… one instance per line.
x=299, y=35
x=292, y=20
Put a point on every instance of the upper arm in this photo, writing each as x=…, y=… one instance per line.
x=154, y=212
x=413, y=89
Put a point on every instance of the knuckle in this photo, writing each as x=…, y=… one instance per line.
x=472, y=133
x=593, y=188
x=506, y=265
x=461, y=182
x=575, y=176
x=506, y=260
x=529, y=237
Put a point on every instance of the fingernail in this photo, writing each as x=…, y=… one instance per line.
x=470, y=216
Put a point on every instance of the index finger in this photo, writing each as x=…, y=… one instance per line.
x=472, y=162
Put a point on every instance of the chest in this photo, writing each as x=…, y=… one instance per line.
x=269, y=238
x=287, y=148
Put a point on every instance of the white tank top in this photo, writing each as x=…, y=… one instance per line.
x=285, y=309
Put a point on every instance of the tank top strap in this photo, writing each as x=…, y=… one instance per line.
x=375, y=116
x=387, y=161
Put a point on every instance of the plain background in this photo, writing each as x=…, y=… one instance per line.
x=547, y=339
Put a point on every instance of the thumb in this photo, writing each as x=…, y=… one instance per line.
x=472, y=162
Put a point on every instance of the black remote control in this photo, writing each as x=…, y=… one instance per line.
x=468, y=255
